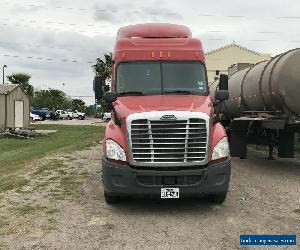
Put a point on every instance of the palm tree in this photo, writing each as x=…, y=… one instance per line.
x=104, y=68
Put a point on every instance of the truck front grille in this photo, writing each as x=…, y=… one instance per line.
x=175, y=141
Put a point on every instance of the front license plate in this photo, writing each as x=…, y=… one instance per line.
x=169, y=193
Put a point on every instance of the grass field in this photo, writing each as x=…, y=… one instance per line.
x=16, y=153
x=36, y=175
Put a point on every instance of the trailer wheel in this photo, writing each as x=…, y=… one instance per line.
x=218, y=198
x=110, y=199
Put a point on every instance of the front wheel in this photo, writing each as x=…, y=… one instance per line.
x=218, y=198
x=110, y=199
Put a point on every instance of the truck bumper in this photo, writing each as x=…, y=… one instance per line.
x=122, y=180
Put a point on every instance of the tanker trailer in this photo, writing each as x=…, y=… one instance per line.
x=264, y=105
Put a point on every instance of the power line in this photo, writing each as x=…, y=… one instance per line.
x=54, y=30
x=56, y=23
x=92, y=62
x=95, y=9
x=174, y=13
x=82, y=49
x=46, y=59
x=35, y=46
x=18, y=25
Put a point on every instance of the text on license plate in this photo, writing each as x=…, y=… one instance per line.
x=169, y=193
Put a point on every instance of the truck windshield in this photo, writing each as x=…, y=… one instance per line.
x=152, y=78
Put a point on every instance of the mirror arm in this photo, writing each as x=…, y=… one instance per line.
x=117, y=119
x=217, y=113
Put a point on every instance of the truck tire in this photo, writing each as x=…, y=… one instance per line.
x=218, y=198
x=110, y=199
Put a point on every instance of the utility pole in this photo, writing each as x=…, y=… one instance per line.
x=4, y=66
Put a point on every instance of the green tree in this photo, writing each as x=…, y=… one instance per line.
x=53, y=99
x=23, y=80
x=103, y=68
x=89, y=111
x=78, y=104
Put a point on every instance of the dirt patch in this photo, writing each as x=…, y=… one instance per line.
x=62, y=207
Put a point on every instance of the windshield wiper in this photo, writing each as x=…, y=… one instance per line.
x=130, y=93
x=179, y=92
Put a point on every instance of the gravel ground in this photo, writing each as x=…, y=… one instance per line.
x=263, y=195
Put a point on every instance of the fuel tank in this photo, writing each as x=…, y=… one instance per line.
x=266, y=86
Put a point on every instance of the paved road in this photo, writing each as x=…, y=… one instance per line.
x=262, y=197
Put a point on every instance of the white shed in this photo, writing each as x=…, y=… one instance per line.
x=14, y=107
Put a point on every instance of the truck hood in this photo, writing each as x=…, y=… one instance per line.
x=137, y=104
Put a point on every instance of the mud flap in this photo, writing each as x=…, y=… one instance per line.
x=238, y=139
x=286, y=144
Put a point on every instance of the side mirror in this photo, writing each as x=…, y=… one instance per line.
x=110, y=97
x=223, y=83
x=222, y=95
x=98, y=83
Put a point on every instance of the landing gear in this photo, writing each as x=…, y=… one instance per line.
x=272, y=142
x=271, y=151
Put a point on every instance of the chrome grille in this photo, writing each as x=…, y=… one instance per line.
x=169, y=141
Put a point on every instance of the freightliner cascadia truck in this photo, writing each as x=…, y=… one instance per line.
x=164, y=139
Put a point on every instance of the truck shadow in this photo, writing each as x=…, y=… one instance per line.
x=257, y=161
x=166, y=207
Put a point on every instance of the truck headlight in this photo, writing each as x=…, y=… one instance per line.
x=221, y=150
x=114, y=151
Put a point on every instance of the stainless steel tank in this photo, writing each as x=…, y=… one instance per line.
x=266, y=86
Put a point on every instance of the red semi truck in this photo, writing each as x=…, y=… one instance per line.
x=164, y=139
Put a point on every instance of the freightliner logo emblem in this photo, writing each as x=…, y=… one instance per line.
x=168, y=117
